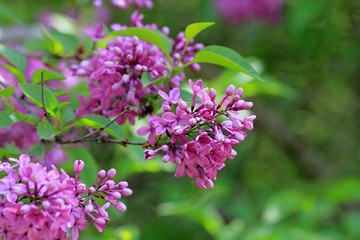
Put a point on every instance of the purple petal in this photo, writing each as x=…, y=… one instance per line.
x=175, y=93
x=169, y=117
x=163, y=95
x=143, y=131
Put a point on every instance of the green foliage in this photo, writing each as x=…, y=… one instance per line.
x=192, y=30
x=225, y=57
x=47, y=75
x=6, y=92
x=97, y=121
x=13, y=56
x=34, y=93
x=8, y=117
x=46, y=130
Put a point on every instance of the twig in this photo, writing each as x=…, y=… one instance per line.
x=91, y=136
x=42, y=96
x=126, y=109
x=99, y=139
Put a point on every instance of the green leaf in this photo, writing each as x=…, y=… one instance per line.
x=97, y=121
x=8, y=13
x=16, y=72
x=194, y=29
x=152, y=36
x=206, y=216
x=60, y=43
x=66, y=112
x=48, y=75
x=91, y=169
x=225, y=57
x=46, y=130
x=6, y=92
x=13, y=56
x=33, y=92
x=8, y=117
x=146, y=79
x=281, y=205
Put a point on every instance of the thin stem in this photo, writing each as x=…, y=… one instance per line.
x=42, y=97
x=99, y=139
x=126, y=109
x=91, y=136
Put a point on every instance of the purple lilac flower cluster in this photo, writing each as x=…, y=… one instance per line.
x=126, y=4
x=198, y=139
x=268, y=11
x=41, y=204
x=115, y=72
x=115, y=77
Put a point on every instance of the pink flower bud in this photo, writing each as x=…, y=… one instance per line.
x=78, y=166
x=230, y=90
x=101, y=173
x=209, y=104
x=212, y=93
x=120, y=206
x=109, y=64
x=166, y=158
x=192, y=121
x=239, y=92
x=111, y=173
x=91, y=190
x=129, y=57
x=165, y=148
x=166, y=108
x=123, y=184
x=126, y=192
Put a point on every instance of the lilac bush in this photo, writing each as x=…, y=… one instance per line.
x=65, y=95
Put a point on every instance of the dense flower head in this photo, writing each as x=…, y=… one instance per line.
x=200, y=137
x=268, y=11
x=115, y=73
x=40, y=204
x=115, y=77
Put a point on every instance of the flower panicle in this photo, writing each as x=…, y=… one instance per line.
x=39, y=204
x=198, y=138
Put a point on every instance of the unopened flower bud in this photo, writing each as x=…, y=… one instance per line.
x=78, y=166
x=192, y=121
x=109, y=64
x=125, y=78
x=111, y=173
x=212, y=93
x=123, y=184
x=91, y=190
x=178, y=130
x=166, y=108
x=120, y=206
x=209, y=104
x=101, y=173
x=239, y=92
x=165, y=148
x=126, y=192
x=116, y=86
x=129, y=57
x=230, y=90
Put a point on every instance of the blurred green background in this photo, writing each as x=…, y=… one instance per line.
x=297, y=175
